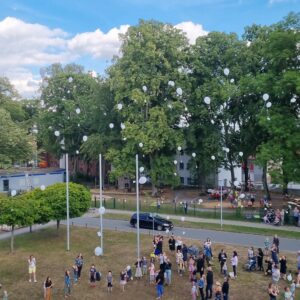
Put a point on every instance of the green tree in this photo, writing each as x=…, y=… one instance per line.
x=150, y=85
x=14, y=212
x=54, y=197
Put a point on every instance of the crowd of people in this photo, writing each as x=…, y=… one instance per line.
x=192, y=264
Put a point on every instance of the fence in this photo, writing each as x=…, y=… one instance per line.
x=193, y=210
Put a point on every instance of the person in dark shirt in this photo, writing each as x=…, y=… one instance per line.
x=209, y=283
x=222, y=259
x=225, y=289
x=200, y=265
x=160, y=279
x=172, y=243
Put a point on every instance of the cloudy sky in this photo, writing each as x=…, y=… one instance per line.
x=36, y=33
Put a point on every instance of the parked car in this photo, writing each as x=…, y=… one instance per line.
x=148, y=220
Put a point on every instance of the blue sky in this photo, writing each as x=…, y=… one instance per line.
x=76, y=23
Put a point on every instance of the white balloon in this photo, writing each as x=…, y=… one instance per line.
x=268, y=118
x=226, y=71
x=171, y=83
x=213, y=157
x=293, y=100
x=241, y=153
x=226, y=150
x=232, y=80
x=56, y=133
x=43, y=187
x=207, y=100
x=70, y=79
x=13, y=193
x=179, y=148
x=145, y=88
x=175, y=162
x=102, y=210
x=77, y=111
x=269, y=104
x=194, y=154
x=98, y=251
x=142, y=169
x=122, y=126
x=182, y=219
x=212, y=121
x=266, y=97
x=120, y=106
x=84, y=138
x=77, y=151
x=175, y=174
x=179, y=91
x=78, y=125
x=142, y=180
x=242, y=196
x=141, y=145
x=111, y=125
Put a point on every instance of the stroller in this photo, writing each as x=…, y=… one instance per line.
x=251, y=264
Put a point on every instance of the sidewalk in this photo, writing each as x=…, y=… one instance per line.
x=214, y=221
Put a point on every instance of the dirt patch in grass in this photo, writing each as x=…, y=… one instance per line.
x=120, y=250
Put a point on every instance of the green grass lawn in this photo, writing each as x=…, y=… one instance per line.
x=230, y=228
x=120, y=250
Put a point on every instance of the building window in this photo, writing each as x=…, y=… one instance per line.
x=181, y=166
x=181, y=180
x=189, y=181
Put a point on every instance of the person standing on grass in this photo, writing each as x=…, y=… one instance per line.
x=276, y=243
x=283, y=267
x=79, y=264
x=152, y=273
x=234, y=263
x=275, y=275
x=222, y=257
x=67, y=284
x=172, y=243
x=225, y=288
x=32, y=268
x=75, y=274
x=48, y=288
x=218, y=291
x=109, y=279
x=200, y=264
x=144, y=265
x=287, y=294
x=273, y=291
x=274, y=254
x=209, y=283
x=168, y=272
x=194, y=291
x=123, y=280
x=296, y=214
x=93, y=276
x=201, y=284
x=185, y=255
x=160, y=284
x=260, y=257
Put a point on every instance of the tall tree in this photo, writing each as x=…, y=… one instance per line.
x=149, y=81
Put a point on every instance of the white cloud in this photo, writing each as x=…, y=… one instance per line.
x=192, y=30
x=96, y=43
x=26, y=46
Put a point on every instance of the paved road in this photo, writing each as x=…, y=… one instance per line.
x=291, y=245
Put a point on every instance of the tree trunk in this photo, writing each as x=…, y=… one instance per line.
x=285, y=180
x=232, y=175
x=30, y=228
x=265, y=183
x=57, y=224
x=12, y=237
x=246, y=172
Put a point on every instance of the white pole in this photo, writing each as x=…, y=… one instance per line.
x=67, y=193
x=137, y=206
x=221, y=204
x=100, y=198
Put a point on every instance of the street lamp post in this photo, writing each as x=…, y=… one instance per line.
x=100, y=205
x=221, y=199
x=67, y=196
x=137, y=205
